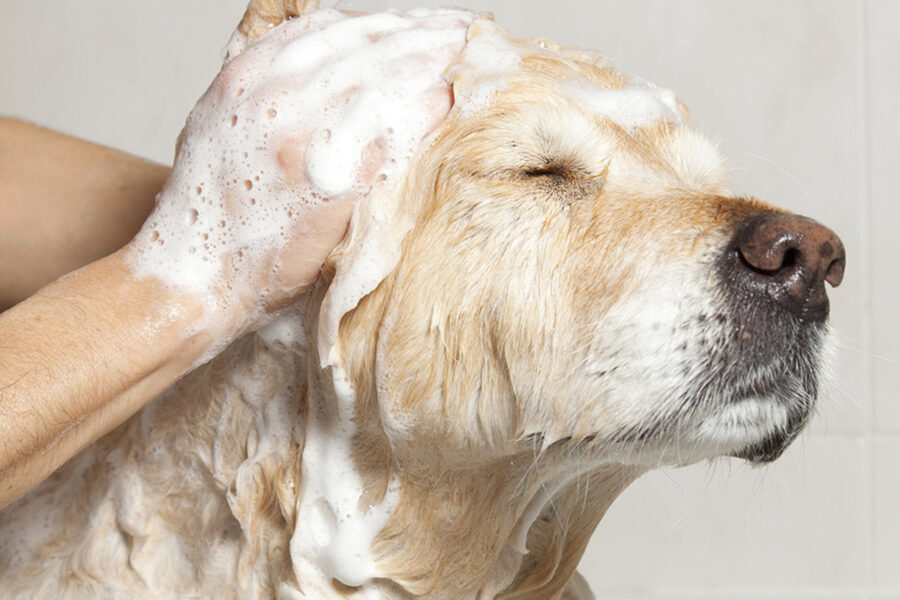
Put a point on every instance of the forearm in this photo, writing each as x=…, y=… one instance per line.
x=81, y=356
x=64, y=202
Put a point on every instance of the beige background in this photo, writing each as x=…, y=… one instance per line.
x=804, y=96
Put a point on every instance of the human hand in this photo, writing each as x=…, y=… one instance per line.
x=296, y=128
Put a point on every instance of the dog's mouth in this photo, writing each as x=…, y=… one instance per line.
x=750, y=386
x=749, y=392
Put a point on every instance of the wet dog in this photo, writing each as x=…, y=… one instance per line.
x=563, y=295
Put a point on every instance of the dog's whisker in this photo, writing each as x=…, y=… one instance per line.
x=879, y=357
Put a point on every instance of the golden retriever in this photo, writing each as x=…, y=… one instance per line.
x=570, y=297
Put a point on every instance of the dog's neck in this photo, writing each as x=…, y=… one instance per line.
x=501, y=530
x=414, y=522
x=514, y=526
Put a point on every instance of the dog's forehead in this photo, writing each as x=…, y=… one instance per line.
x=494, y=62
x=553, y=102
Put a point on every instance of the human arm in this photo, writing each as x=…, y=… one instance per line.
x=64, y=202
x=87, y=351
x=254, y=205
x=78, y=358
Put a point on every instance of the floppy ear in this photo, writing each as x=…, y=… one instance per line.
x=369, y=252
x=381, y=221
x=263, y=15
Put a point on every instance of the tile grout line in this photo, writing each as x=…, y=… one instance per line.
x=865, y=225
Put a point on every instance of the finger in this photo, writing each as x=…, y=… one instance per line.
x=320, y=231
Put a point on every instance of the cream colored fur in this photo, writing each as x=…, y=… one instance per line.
x=542, y=306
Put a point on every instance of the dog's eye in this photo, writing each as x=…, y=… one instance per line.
x=556, y=171
x=563, y=180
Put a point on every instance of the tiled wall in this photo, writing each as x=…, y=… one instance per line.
x=804, y=96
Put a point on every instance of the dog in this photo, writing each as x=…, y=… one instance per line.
x=569, y=295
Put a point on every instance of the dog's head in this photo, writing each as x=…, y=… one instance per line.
x=561, y=291
x=576, y=271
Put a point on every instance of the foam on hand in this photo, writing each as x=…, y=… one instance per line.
x=322, y=107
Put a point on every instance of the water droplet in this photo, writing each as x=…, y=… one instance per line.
x=233, y=120
x=271, y=112
x=154, y=236
x=192, y=216
x=252, y=200
x=198, y=190
x=240, y=91
x=248, y=184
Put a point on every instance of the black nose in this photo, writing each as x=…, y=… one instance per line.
x=790, y=258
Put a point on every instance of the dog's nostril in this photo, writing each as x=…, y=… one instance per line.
x=767, y=258
x=790, y=257
x=835, y=273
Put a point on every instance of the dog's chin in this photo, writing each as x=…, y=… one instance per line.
x=773, y=445
x=769, y=438
x=757, y=429
x=767, y=450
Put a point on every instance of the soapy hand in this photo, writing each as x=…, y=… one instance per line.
x=295, y=130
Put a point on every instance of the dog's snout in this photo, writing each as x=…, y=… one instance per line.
x=790, y=257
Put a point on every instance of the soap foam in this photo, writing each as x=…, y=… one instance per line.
x=336, y=533
x=636, y=105
x=484, y=66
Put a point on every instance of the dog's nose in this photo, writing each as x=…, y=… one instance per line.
x=789, y=257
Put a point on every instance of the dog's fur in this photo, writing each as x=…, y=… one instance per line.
x=555, y=325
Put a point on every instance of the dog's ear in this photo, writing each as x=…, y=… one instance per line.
x=366, y=256
x=263, y=15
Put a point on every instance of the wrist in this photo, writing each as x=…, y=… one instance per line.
x=126, y=316
x=80, y=357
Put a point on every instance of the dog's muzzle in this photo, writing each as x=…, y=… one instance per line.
x=774, y=273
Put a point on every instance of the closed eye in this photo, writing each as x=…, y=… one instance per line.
x=551, y=170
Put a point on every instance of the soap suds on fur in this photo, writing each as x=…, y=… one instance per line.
x=637, y=105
